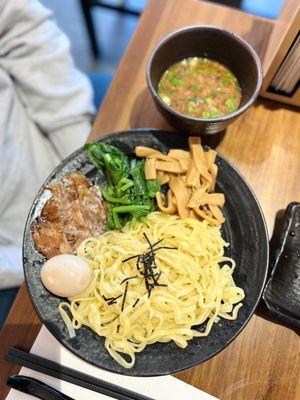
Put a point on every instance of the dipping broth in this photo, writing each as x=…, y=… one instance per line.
x=200, y=87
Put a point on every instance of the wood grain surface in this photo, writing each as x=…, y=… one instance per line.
x=264, y=144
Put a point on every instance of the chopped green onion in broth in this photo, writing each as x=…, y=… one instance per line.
x=200, y=87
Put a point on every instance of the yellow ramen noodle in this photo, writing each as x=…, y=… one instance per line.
x=198, y=290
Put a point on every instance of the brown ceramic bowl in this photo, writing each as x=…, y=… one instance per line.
x=219, y=45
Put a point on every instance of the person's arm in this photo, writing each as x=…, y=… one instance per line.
x=35, y=53
x=11, y=272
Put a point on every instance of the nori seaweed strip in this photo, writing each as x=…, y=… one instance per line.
x=127, y=279
x=135, y=303
x=109, y=322
x=157, y=278
x=131, y=341
x=108, y=298
x=138, y=263
x=124, y=296
x=147, y=260
x=146, y=237
x=152, y=249
x=149, y=275
x=149, y=243
x=156, y=243
x=112, y=300
x=147, y=287
x=131, y=258
x=118, y=328
x=152, y=256
x=165, y=247
x=148, y=266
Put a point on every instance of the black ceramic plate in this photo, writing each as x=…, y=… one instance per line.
x=244, y=229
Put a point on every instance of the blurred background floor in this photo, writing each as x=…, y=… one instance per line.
x=114, y=29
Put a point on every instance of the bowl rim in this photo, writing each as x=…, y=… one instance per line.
x=236, y=37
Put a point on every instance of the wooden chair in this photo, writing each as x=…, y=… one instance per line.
x=88, y=5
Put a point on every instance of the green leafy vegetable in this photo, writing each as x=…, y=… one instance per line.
x=177, y=80
x=228, y=79
x=129, y=195
x=230, y=104
x=214, y=112
x=195, y=86
x=152, y=187
x=170, y=75
x=191, y=106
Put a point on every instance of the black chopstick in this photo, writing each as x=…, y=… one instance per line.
x=36, y=388
x=56, y=370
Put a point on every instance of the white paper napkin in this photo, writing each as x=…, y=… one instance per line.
x=158, y=388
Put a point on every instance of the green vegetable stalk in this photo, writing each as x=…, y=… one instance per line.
x=129, y=194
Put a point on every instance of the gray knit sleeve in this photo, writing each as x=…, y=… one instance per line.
x=36, y=54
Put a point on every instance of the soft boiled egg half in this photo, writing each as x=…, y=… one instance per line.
x=65, y=275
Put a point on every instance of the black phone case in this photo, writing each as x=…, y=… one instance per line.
x=282, y=291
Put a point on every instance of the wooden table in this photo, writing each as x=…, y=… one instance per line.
x=263, y=362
